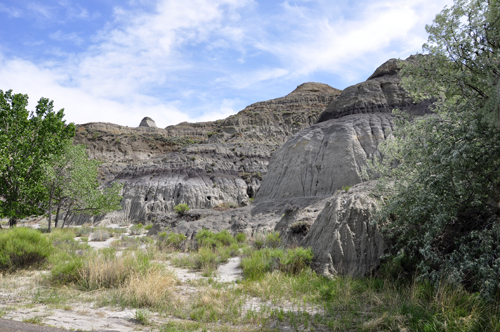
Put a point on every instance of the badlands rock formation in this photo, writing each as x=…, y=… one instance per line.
x=204, y=164
x=293, y=154
x=334, y=152
x=343, y=237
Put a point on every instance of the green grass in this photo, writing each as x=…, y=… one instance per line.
x=22, y=247
x=286, y=294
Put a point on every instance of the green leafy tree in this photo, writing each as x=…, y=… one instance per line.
x=27, y=141
x=73, y=186
x=442, y=213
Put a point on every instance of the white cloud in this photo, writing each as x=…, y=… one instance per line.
x=340, y=45
x=163, y=60
x=81, y=106
x=11, y=11
x=61, y=36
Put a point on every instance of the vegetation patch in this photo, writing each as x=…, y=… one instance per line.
x=21, y=247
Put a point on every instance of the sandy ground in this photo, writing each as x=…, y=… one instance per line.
x=16, y=305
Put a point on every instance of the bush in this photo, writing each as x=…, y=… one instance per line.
x=208, y=238
x=83, y=231
x=22, y=247
x=273, y=240
x=173, y=240
x=99, y=235
x=148, y=227
x=240, y=237
x=181, y=209
x=136, y=229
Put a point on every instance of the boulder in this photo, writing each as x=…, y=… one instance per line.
x=343, y=237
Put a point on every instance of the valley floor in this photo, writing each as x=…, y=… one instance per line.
x=223, y=285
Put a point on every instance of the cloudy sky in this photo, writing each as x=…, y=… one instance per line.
x=196, y=60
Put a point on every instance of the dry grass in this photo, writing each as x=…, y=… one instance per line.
x=99, y=272
x=154, y=289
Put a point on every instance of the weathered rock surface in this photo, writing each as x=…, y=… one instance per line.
x=201, y=164
x=334, y=152
x=251, y=219
x=381, y=93
x=325, y=157
x=343, y=237
x=148, y=122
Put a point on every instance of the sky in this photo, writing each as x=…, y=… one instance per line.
x=196, y=60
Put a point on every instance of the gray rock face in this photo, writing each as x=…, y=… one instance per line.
x=147, y=122
x=250, y=220
x=325, y=157
x=381, y=93
x=201, y=164
x=343, y=239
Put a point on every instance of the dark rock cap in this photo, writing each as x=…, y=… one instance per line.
x=147, y=122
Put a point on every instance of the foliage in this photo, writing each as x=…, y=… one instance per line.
x=22, y=247
x=99, y=235
x=240, y=237
x=74, y=187
x=441, y=216
x=181, y=209
x=175, y=240
x=292, y=261
x=136, y=229
x=28, y=140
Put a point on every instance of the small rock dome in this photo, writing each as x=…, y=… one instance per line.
x=148, y=122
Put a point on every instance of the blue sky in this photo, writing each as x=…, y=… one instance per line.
x=195, y=60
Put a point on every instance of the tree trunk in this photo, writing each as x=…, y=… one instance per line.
x=50, y=207
x=12, y=221
x=67, y=215
x=57, y=215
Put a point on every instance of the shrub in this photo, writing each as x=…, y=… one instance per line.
x=99, y=235
x=208, y=238
x=148, y=227
x=181, y=209
x=136, y=229
x=174, y=240
x=240, y=237
x=21, y=247
x=296, y=260
x=273, y=240
x=83, y=231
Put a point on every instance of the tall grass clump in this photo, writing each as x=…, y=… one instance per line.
x=291, y=261
x=89, y=270
x=155, y=288
x=137, y=229
x=99, y=235
x=22, y=247
x=171, y=240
